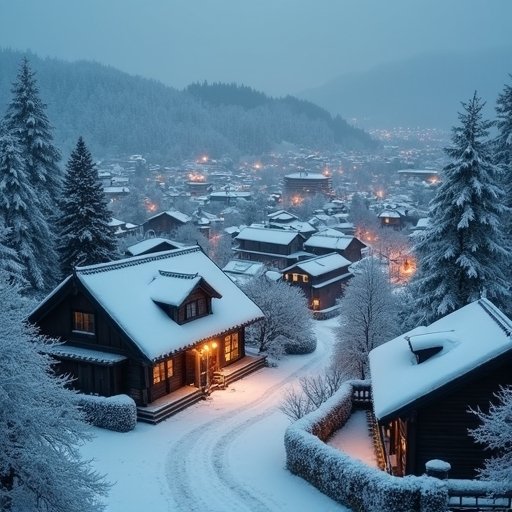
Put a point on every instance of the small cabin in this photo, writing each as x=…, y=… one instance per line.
x=165, y=222
x=425, y=382
x=146, y=326
x=331, y=240
x=322, y=279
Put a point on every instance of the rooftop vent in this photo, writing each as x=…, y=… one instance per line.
x=426, y=345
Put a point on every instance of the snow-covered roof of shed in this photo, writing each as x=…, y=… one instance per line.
x=124, y=291
x=273, y=236
x=321, y=264
x=470, y=337
x=282, y=215
x=246, y=267
x=307, y=176
x=146, y=245
x=329, y=239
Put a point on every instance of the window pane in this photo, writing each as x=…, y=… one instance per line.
x=83, y=322
x=170, y=368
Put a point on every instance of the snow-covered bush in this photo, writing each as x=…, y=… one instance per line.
x=117, y=413
x=303, y=343
x=350, y=481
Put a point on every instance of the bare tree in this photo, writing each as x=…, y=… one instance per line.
x=369, y=318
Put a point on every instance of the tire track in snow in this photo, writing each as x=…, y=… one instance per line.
x=190, y=474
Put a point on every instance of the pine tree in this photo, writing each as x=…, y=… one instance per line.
x=20, y=209
x=504, y=155
x=41, y=468
x=85, y=237
x=463, y=253
x=26, y=119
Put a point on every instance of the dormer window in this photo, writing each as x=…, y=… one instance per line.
x=426, y=345
x=83, y=322
x=195, y=308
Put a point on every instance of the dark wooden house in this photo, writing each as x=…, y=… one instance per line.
x=425, y=381
x=331, y=240
x=165, y=222
x=392, y=218
x=146, y=326
x=276, y=248
x=322, y=279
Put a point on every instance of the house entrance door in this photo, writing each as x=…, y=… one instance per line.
x=208, y=364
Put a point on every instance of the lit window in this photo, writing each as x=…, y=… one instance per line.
x=295, y=277
x=83, y=322
x=159, y=372
x=231, y=347
x=170, y=368
x=305, y=279
x=316, y=303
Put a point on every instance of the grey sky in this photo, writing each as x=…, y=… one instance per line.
x=279, y=46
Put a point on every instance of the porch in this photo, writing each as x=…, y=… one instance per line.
x=174, y=402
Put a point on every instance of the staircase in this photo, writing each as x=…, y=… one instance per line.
x=156, y=415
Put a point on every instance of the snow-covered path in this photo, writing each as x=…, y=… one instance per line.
x=225, y=453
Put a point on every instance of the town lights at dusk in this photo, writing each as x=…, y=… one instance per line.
x=196, y=177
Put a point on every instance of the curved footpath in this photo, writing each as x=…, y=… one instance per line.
x=225, y=453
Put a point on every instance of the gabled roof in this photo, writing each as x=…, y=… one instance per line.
x=320, y=265
x=172, y=288
x=175, y=214
x=282, y=216
x=272, y=236
x=390, y=214
x=469, y=338
x=123, y=290
x=330, y=239
x=146, y=245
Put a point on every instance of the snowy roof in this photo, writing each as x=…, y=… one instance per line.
x=125, y=289
x=172, y=288
x=466, y=338
x=146, y=245
x=85, y=354
x=246, y=267
x=282, y=215
x=422, y=223
x=116, y=222
x=321, y=264
x=273, y=236
x=331, y=240
x=307, y=176
x=391, y=214
x=176, y=214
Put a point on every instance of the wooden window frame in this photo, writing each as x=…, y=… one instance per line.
x=231, y=347
x=83, y=323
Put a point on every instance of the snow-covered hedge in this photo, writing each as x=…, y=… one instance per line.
x=301, y=345
x=117, y=413
x=350, y=481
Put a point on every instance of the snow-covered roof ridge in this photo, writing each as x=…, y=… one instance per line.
x=135, y=260
x=320, y=264
x=466, y=340
x=179, y=275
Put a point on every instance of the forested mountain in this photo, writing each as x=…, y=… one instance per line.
x=423, y=91
x=118, y=113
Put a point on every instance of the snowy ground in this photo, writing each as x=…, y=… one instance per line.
x=225, y=453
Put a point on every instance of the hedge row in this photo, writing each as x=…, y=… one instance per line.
x=349, y=481
x=118, y=413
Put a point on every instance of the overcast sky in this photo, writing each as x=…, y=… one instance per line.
x=279, y=46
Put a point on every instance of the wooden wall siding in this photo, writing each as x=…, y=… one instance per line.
x=442, y=427
x=94, y=379
x=250, y=245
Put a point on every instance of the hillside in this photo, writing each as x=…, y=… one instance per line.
x=424, y=91
x=119, y=114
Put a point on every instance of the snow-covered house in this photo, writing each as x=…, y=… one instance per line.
x=152, y=245
x=322, y=279
x=165, y=222
x=331, y=240
x=391, y=218
x=147, y=326
x=425, y=381
x=275, y=247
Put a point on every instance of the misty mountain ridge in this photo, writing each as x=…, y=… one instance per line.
x=422, y=91
x=118, y=113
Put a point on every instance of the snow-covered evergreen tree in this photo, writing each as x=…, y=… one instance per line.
x=10, y=264
x=503, y=144
x=495, y=433
x=41, y=468
x=85, y=237
x=464, y=250
x=368, y=319
x=28, y=235
x=26, y=118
